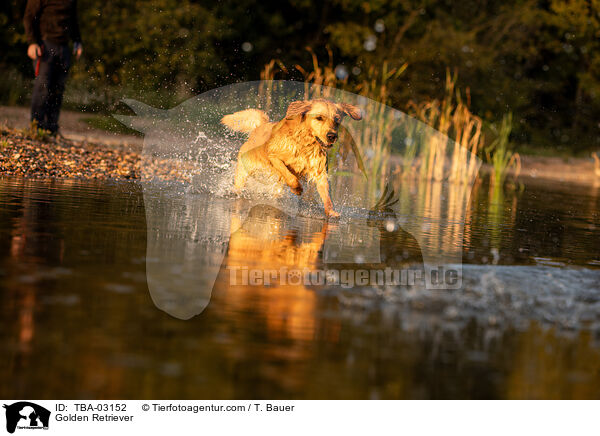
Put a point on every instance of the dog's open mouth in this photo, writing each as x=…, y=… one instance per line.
x=324, y=144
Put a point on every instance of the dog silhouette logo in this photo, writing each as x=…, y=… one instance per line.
x=26, y=415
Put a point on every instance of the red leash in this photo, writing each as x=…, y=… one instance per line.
x=37, y=67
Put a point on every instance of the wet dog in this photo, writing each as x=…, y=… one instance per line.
x=294, y=148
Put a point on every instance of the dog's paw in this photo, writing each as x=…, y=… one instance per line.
x=297, y=189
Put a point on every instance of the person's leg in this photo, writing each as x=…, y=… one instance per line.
x=41, y=90
x=60, y=70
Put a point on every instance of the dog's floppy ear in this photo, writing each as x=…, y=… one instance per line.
x=297, y=108
x=354, y=112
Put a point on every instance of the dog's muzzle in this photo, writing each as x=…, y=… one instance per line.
x=331, y=138
x=322, y=144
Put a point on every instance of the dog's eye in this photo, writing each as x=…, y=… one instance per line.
x=320, y=118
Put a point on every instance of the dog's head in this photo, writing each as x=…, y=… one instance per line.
x=322, y=118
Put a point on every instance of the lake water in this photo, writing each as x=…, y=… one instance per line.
x=111, y=292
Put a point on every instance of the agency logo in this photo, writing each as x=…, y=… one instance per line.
x=26, y=415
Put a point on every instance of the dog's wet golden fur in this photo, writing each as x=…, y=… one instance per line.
x=293, y=148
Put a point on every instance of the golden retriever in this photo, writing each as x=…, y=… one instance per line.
x=293, y=148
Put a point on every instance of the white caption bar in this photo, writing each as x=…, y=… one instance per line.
x=251, y=417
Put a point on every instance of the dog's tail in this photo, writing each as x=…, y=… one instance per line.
x=245, y=121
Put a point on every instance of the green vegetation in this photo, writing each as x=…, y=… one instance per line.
x=538, y=60
x=499, y=155
x=34, y=132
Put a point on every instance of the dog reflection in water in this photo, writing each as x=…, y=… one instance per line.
x=267, y=241
x=270, y=241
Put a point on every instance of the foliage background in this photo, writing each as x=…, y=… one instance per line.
x=539, y=60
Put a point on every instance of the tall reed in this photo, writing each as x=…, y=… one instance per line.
x=267, y=75
x=442, y=158
x=499, y=155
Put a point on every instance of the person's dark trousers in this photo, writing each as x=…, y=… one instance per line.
x=49, y=85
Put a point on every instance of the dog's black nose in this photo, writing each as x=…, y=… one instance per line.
x=331, y=136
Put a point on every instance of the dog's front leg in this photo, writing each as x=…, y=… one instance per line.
x=290, y=179
x=323, y=189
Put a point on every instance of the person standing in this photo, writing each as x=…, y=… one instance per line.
x=49, y=25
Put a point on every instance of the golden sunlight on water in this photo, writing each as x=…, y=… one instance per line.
x=263, y=242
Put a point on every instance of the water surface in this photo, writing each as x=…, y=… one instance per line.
x=83, y=318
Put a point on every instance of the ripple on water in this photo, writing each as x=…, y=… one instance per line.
x=499, y=296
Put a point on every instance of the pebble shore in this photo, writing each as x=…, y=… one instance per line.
x=38, y=156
